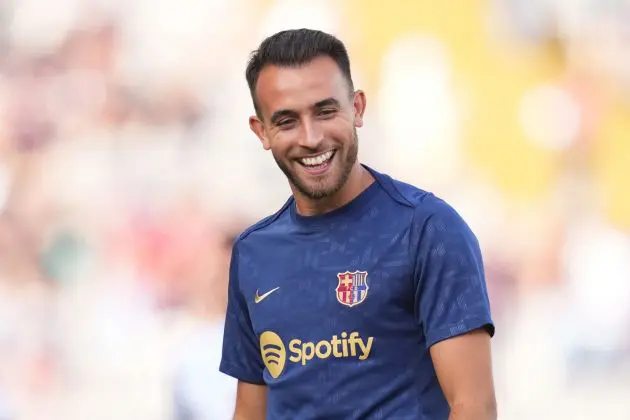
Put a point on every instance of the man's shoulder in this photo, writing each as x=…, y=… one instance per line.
x=434, y=217
x=424, y=203
x=265, y=222
x=410, y=195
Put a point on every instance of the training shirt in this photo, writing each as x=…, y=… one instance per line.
x=336, y=313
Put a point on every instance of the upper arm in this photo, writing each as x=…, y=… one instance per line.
x=463, y=367
x=241, y=356
x=452, y=306
x=251, y=401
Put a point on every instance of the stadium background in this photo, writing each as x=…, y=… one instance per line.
x=127, y=166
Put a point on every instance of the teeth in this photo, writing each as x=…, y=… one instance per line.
x=317, y=160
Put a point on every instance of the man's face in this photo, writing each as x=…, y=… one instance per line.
x=309, y=120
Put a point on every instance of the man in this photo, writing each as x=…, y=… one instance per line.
x=362, y=297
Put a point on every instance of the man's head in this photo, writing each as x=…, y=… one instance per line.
x=307, y=110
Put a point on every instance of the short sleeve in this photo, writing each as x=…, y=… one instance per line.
x=241, y=357
x=451, y=295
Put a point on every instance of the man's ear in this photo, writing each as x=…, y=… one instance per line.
x=258, y=127
x=359, y=107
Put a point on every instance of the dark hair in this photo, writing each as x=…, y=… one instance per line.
x=294, y=48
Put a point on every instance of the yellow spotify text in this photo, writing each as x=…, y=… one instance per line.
x=344, y=345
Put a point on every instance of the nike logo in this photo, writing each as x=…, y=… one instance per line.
x=259, y=298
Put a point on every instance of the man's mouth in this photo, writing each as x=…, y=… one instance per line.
x=317, y=164
x=318, y=160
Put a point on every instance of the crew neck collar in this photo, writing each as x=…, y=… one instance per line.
x=352, y=207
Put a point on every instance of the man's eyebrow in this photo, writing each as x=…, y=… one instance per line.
x=280, y=114
x=326, y=102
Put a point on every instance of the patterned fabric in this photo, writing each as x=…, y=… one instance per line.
x=349, y=303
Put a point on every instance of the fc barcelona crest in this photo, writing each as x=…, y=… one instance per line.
x=352, y=288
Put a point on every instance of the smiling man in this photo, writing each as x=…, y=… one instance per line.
x=363, y=297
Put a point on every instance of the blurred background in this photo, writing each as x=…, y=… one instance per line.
x=127, y=168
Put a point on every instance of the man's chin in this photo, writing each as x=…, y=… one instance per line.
x=319, y=190
x=319, y=186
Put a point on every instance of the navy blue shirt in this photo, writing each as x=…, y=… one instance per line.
x=336, y=313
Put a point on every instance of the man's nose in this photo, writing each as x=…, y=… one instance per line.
x=312, y=135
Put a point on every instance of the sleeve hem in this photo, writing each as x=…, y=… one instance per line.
x=460, y=328
x=240, y=374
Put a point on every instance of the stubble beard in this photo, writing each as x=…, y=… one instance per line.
x=318, y=190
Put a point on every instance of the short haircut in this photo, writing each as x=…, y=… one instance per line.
x=294, y=48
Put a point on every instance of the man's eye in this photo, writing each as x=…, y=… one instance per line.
x=327, y=112
x=286, y=123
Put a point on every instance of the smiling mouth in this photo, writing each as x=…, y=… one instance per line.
x=319, y=160
x=316, y=165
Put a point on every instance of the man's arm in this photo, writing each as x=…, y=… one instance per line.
x=241, y=357
x=453, y=309
x=251, y=401
x=464, y=369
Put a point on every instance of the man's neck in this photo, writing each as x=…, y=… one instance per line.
x=359, y=179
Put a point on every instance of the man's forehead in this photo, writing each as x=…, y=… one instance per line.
x=302, y=86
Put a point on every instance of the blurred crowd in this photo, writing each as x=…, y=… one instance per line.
x=127, y=169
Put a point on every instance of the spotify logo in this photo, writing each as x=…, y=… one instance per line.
x=273, y=353
x=339, y=346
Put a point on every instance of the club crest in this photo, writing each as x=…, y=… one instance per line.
x=352, y=288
